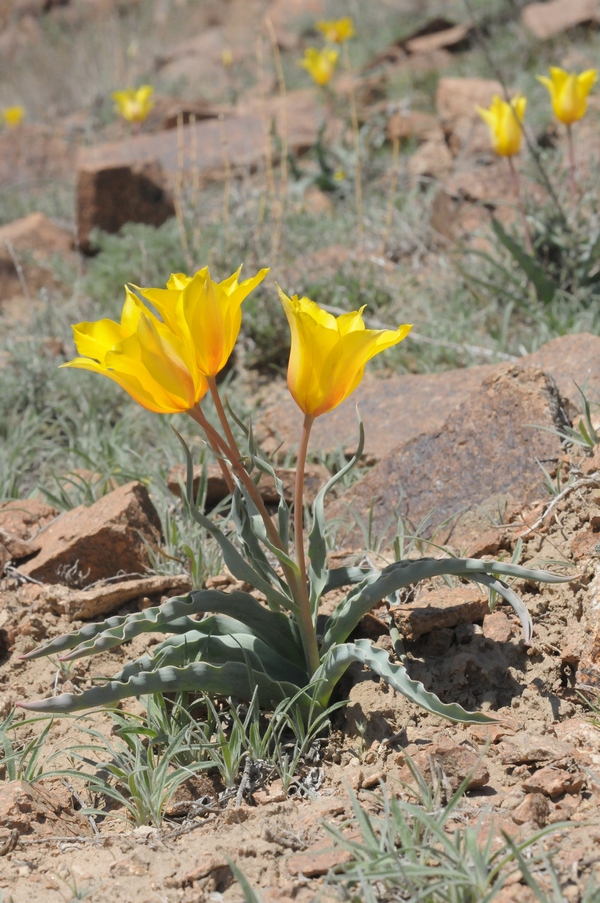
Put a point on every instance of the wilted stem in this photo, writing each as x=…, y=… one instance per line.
x=308, y=629
x=571, y=148
x=517, y=187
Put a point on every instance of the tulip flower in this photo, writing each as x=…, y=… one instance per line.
x=329, y=354
x=13, y=116
x=165, y=364
x=505, y=124
x=134, y=105
x=204, y=312
x=336, y=31
x=320, y=64
x=568, y=92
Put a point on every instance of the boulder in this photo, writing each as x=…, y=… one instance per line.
x=545, y=20
x=484, y=455
x=89, y=544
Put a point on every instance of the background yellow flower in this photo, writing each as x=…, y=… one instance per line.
x=13, y=116
x=320, y=63
x=336, y=31
x=568, y=92
x=133, y=104
x=505, y=123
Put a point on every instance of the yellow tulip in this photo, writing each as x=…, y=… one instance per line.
x=505, y=123
x=336, y=31
x=134, y=105
x=320, y=63
x=164, y=363
x=329, y=354
x=569, y=92
x=205, y=313
x=13, y=116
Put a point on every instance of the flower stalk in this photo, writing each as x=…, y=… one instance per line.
x=308, y=626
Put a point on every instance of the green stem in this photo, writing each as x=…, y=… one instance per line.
x=216, y=443
x=571, y=147
x=515, y=178
x=311, y=647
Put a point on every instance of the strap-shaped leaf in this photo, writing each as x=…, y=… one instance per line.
x=265, y=466
x=217, y=646
x=317, y=548
x=244, y=515
x=545, y=287
x=231, y=679
x=274, y=628
x=341, y=657
x=240, y=568
x=403, y=573
x=338, y=577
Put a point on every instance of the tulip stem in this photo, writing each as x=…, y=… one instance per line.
x=571, y=149
x=308, y=628
x=356, y=138
x=215, y=442
x=517, y=187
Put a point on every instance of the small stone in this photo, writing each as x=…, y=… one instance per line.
x=532, y=748
x=497, y=627
x=554, y=782
x=316, y=861
x=456, y=761
x=535, y=809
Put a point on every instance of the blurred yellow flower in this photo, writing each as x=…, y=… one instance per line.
x=569, y=92
x=163, y=364
x=320, y=63
x=13, y=116
x=336, y=31
x=505, y=123
x=227, y=57
x=329, y=354
x=133, y=104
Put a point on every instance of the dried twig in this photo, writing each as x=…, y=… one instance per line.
x=592, y=480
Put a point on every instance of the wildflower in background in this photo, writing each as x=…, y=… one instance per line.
x=569, y=92
x=505, y=124
x=133, y=104
x=320, y=63
x=13, y=116
x=329, y=354
x=226, y=57
x=164, y=364
x=336, y=31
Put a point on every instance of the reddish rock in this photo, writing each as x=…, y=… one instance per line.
x=34, y=152
x=487, y=449
x=497, y=627
x=554, y=782
x=110, y=195
x=525, y=748
x=545, y=20
x=456, y=102
x=534, y=809
x=413, y=125
x=317, y=861
x=432, y=160
x=440, y=608
x=29, y=243
x=15, y=547
x=88, y=544
x=26, y=517
x=438, y=35
x=32, y=809
x=455, y=761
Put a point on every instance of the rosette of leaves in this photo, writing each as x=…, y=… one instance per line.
x=230, y=644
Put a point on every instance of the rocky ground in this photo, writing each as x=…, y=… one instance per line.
x=470, y=459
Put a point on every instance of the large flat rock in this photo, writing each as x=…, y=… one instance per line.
x=399, y=408
x=490, y=446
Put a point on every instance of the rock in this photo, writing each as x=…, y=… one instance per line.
x=15, y=547
x=487, y=449
x=26, y=517
x=554, y=782
x=413, y=124
x=89, y=544
x=289, y=16
x=34, y=152
x=437, y=35
x=315, y=477
x=545, y=20
x=497, y=627
x=439, y=609
x=32, y=809
x=210, y=865
x=198, y=60
x=108, y=196
x=432, y=160
x=105, y=600
x=132, y=180
x=456, y=103
x=526, y=748
x=534, y=809
x=455, y=761
x=317, y=861
x=29, y=243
